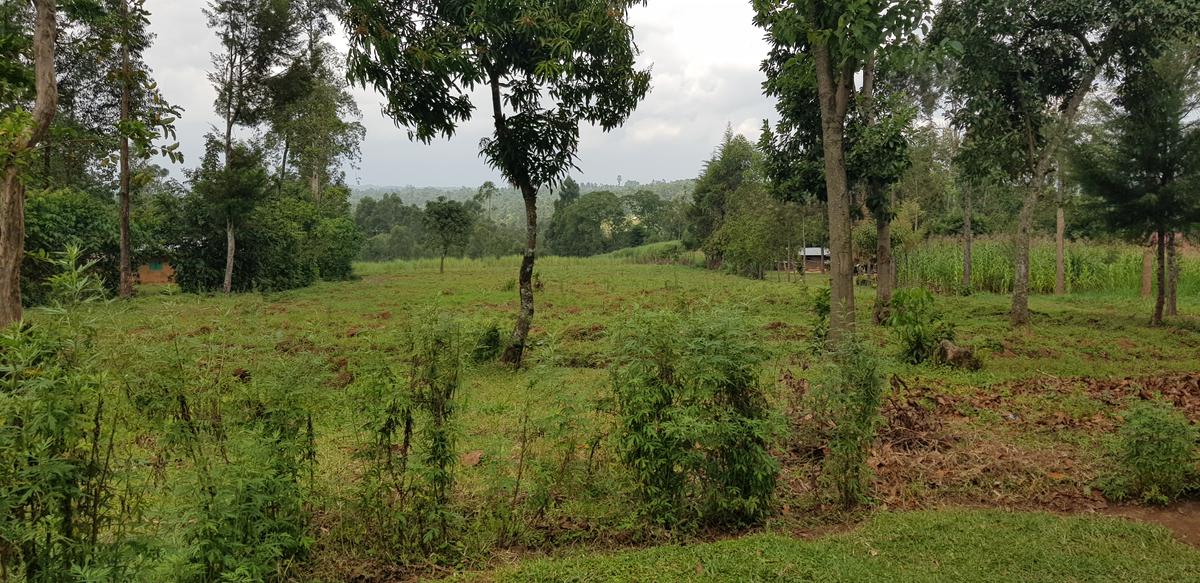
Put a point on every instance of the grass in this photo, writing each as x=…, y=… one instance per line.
x=903, y=547
x=310, y=345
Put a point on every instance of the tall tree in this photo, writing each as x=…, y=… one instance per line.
x=819, y=47
x=732, y=165
x=255, y=35
x=20, y=132
x=145, y=117
x=449, y=223
x=1143, y=162
x=1024, y=70
x=547, y=66
x=231, y=181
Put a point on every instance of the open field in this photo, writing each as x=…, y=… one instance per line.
x=1029, y=431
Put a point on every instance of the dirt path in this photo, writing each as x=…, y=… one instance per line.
x=1183, y=519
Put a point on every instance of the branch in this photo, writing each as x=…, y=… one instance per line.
x=43, y=61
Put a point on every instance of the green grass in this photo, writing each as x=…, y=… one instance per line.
x=309, y=345
x=902, y=547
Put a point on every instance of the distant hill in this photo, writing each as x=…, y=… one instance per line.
x=508, y=205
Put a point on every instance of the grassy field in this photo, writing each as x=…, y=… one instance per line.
x=1028, y=431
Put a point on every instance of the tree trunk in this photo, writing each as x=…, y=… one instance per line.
x=283, y=165
x=833, y=93
x=314, y=184
x=968, y=240
x=1060, y=250
x=125, y=289
x=1172, y=274
x=1161, y=296
x=12, y=245
x=1148, y=268
x=515, y=351
x=885, y=269
x=230, y=248
x=442, y=268
x=12, y=195
x=1019, y=315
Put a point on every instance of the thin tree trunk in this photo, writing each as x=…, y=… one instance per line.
x=833, y=93
x=515, y=351
x=314, y=184
x=12, y=195
x=126, y=283
x=1161, y=295
x=1172, y=275
x=968, y=240
x=283, y=165
x=1060, y=250
x=1148, y=268
x=1019, y=315
x=885, y=270
x=442, y=268
x=230, y=248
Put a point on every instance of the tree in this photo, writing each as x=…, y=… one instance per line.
x=732, y=165
x=485, y=195
x=1142, y=163
x=231, y=190
x=547, y=66
x=448, y=223
x=818, y=49
x=1023, y=73
x=20, y=132
x=255, y=37
x=588, y=226
x=145, y=116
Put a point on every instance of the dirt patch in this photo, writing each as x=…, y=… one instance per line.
x=1182, y=519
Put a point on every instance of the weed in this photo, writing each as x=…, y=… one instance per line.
x=1156, y=455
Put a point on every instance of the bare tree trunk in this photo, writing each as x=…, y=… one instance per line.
x=1161, y=295
x=833, y=93
x=442, y=268
x=968, y=239
x=515, y=351
x=126, y=283
x=1060, y=260
x=283, y=165
x=1148, y=268
x=12, y=195
x=1172, y=275
x=230, y=248
x=885, y=269
x=314, y=184
x=1019, y=315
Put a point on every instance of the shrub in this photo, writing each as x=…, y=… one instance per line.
x=488, y=346
x=405, y=497
x=918, y=325
x=845, y=402
x=1156, y=455
x=695, y=423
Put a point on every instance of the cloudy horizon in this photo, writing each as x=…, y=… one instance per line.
x=705, y=56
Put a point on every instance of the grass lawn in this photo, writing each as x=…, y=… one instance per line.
x=902, y=547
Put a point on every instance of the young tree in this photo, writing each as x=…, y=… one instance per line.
x=547, y=66
x=1143, y=162
x=1024, y=70
x=819, y=47
x=230, y=190
x=732, y=165
x=145, y=116
x=449, y=223
x=20, y=132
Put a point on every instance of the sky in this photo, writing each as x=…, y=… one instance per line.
x=704, y=55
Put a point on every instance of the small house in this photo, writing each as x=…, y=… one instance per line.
x=156, y=271
x=815, y=259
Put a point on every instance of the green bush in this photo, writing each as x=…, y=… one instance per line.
x=695, y=423
x=918, y=325
x=1156, y=455
x=488, y=346
x=821, y=307
x=845, y=403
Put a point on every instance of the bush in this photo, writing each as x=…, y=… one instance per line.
x=918, y=325
x=695, y=423
x=488, y=346
x=845, y=403
x=405, y=496
x=1156, y=455
x=821, y=307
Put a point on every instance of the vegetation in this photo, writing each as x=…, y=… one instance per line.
x=1157, y=453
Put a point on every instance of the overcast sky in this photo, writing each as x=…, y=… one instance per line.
x=705, y=56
